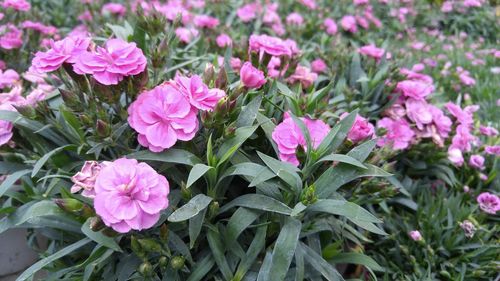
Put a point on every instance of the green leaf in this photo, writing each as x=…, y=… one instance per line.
x=30, y=211
x=122, y=32
x=343, y=159
x=202, y=268
x=191, y=209
x=195, y=225
x=173, y=155
x=285, y=171
x=218, y=250
x=230, y=146
x=11, y=180
x=317, y=262
x=284, y=250
x=39, y=164
x=100, y=238
x=357, y=258
x=258, y=243
x=249, y=113
x=238, y=222
x=197, y=172
x=71, y=119
x=258, y=202
x=338, y=134
x=50, y=259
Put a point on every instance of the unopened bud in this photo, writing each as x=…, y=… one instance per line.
x=149, y=245
x=221, y=81
x=177, y=262
x=163, y=232
x=96, y=224
x=146, y=269
x=102, y=128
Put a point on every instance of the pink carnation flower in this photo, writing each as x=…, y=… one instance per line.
x=303, y=75
x=318, y=65
x=399, y=134
x=19, y=5
x=311, y=4
x=493, y=150
x=415, y=89
x=109, y=65
x=66, y=50
x=204, y=21
x=114, y=8
x=331, y=26
x=488, y=202
x=252, y=77
x=130, y=195
x=477, y=161
x=295, y=19
x=162, y=116
x=419, y=112
x=485, y=130
x=455, y=156
x=288, y=136
x=463, y=116
x=361, y=129
x=348, y=23
x=224, y=40
x=372, y=51
x=8, y=78
x=273, y=46
x=415, y=235
x=85, y=179
x=248, y=12
x=186, y=34
x=11, y=37
x=198, y=93
x=5, y=126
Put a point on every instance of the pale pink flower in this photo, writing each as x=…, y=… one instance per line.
x=205, y=21
x=66, y=50
x=372, y=51
x=318, y=65
x=85, y=179
x=311, y=4
x=288, y=136
x=331, y=26
x=348, y=23
x=295, y=19
x=363, y=22
x=251, y=77
x=360, y=130
x=109, y=65
x=248, y=12
x=11, y=37
x=492, y=149
x=273, y=66
x=273, y=46
x=463, y=116
x=447, y=7
x=19, y=5
x=130, y=195
x=469, y=228
x=489, y=203
x=463, y=138
x=466, y=79
x=415, y=235
x=5, y=126
x=415, y=89
x=398, y=135
x=162, y=116
x=419, y=112
x=38, y=26
x=186, y=35
x=472, y=3
x=114, y=8
x=477, y=161
x=223, y=40
x=8, y=78
x=303, y=75
x=485, y=130
x=198, y=93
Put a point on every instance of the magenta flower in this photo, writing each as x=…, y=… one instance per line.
x=248, y=12
x=162, y=116
x=198, y=93
x=19, y=5
x=130, y=195
x=416, y=89
x=419, y=112
x=441, y=121
x=372, y=51
x=109, y=65
x=463, y=116
x=186, y=34
x=477, y=161
x=303, y=75
x=288, y=136
x=85, y=179
x=273, y=46
x=493, y=150
x=224, y=40
x=415, y=235
x=66, y=50
x=348, y=23
x=8, y=78
x=114, y=8
x=463, y=138
x=11, y=37
x=318, y=65
x=5, y=126
x=399, y=135
x=360, y=130
x=485, y=130
x=488, y=202
x=331, y=26
x=252, y=77
x=205, y=21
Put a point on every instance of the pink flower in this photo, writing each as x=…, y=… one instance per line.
x=205, y=21
x=469, y=228
x=419, y=112
x=224, y=40
x=415, y=235
x=399, y=134
x=186, y=34
x=5, y=126
x=273, y=46
x=288, y=136
x=455, y=156
x=109, y=65
x=466, y=79
x=8, y=78
x=11, y=37
x=114, y=8
x=162, y=116
x=251, y=77
x=488, y=202
x=63, y=51
x=303, y=75
x=493, y=150
x=360, y=130
x=464, y=116
x=472, y=3
x=38, y=26
x=130, y=195
x=318, y=65
x=85, y=179
x=485, y=130
x=19, y=5
x=477, y=161
x=415, y=89
x=372, y=51
x=248, y=12
x=447, y=7
x=331, y=26
x=348, y=23
x=463, y=138
x=311, y=4
x=295, y=19
x=360, y=2
x=198, y=93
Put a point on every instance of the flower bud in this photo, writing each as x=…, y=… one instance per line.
x=102, y=128
x=26, y=110
x=177, y=262
x=221, y=81
x=209, y=73
x=149, y=245
x=69, y=98
x=146, y=268
x=96, y=224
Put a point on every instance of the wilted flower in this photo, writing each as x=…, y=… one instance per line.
x=251, y=77
x=85, y=179
x=109, y=65
x=469, y=228
x=66, y=50
x=162, y=116
x=130, y=195
x=488, y=202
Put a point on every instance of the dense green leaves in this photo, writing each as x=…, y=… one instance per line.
x=191, y=208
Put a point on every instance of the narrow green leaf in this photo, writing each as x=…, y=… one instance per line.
x=202, y=268
x=100, y=238
x=197, y=172
x=50, y=259
x=230, y=146
x=238, y=222
x=317, y=262
x=252, y=253
x=174, y=155
x=39, y=164
x=249, y=113
x=258, y=202
x=357, y=258
x=343, y=159
x=195, y=225
x=218, y=251
x=30, y=211
x=284, y=250
x=191, y=209
x=11, y=180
